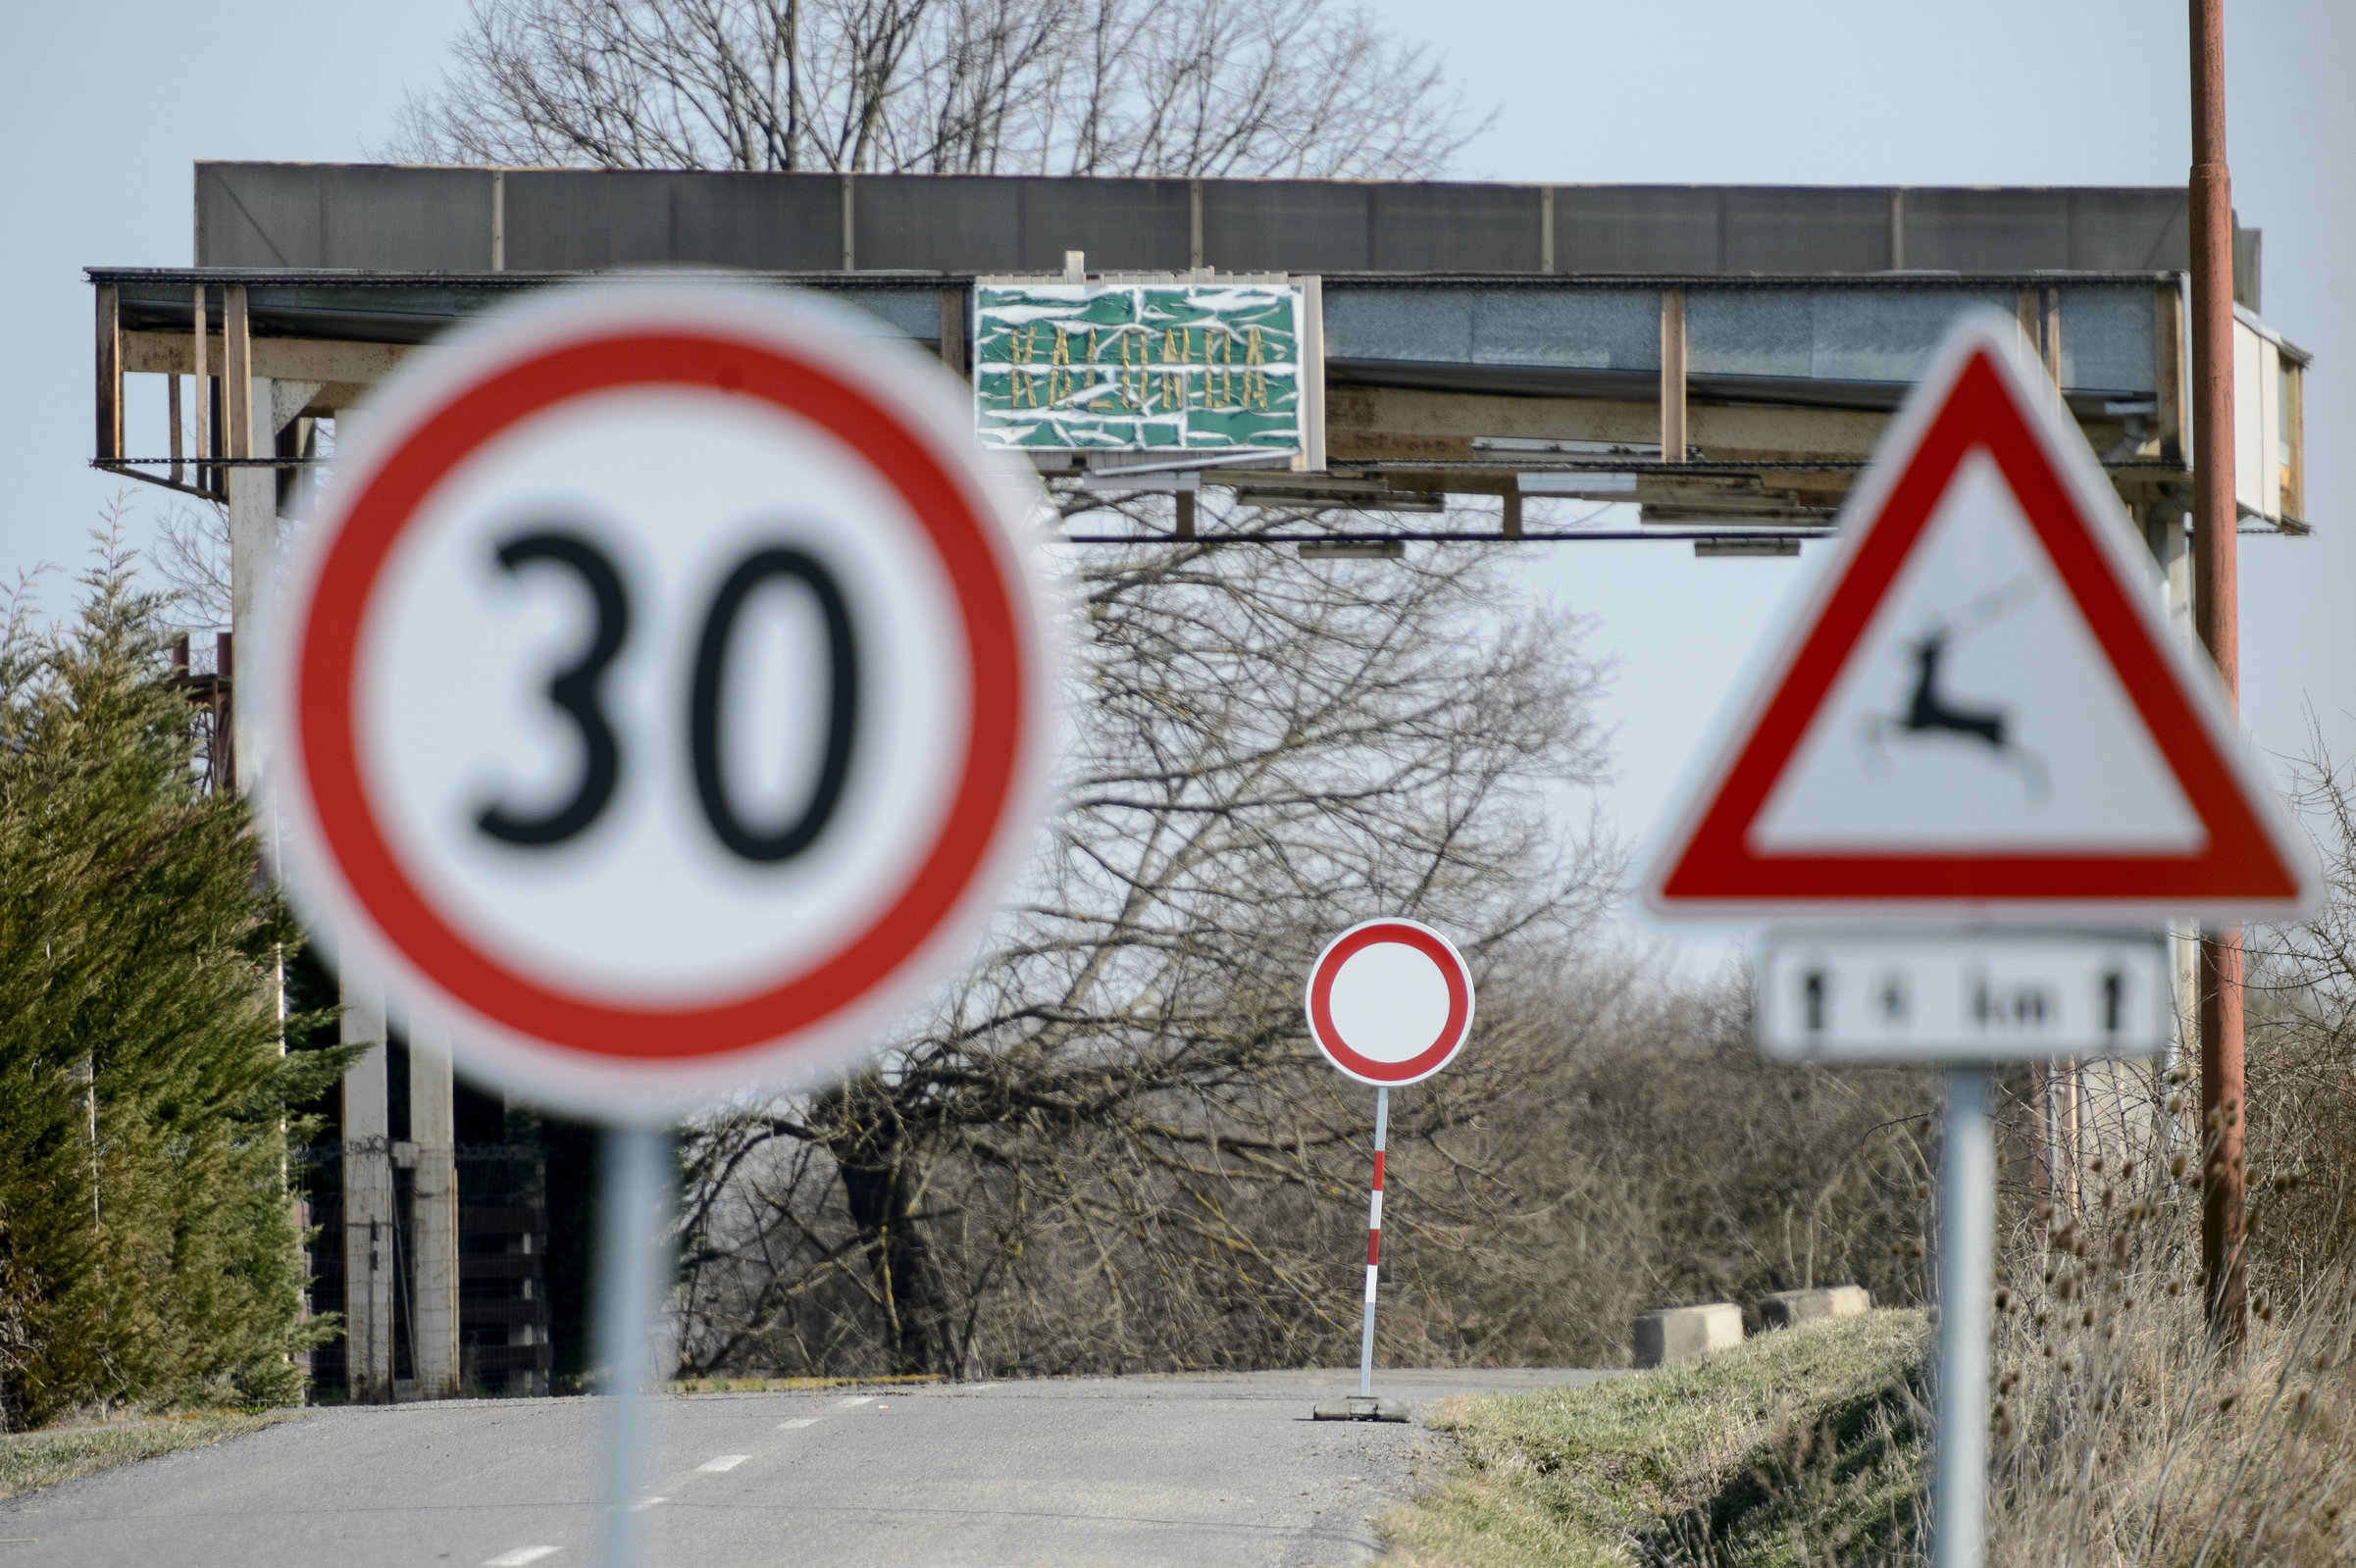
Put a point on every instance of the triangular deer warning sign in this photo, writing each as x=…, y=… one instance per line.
x=1980, y=711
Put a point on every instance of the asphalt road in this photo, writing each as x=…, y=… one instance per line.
x=1129, y=1471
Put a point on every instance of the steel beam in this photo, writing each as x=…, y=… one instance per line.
x=300, y=359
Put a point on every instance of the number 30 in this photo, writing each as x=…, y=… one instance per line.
x=576, y=690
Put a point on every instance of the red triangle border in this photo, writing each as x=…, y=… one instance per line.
x=2239, y=863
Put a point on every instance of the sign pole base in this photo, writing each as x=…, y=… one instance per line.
x=628, y=1282
x=1967, y=1246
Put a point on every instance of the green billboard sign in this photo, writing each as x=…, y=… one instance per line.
x=1215, y=367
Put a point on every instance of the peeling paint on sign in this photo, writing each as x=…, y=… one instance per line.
x=1140, y=367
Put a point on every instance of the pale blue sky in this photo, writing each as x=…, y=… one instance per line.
x=108, y=105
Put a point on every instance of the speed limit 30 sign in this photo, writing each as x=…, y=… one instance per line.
x=663, y=697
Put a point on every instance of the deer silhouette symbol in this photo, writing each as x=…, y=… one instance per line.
x=1929, y=712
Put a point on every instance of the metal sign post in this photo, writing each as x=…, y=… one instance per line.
x=1374, y=1247
x=1967, y=1246
x=630, y=1283
x=1388, y=1003
x=528, y=752
x=1979, y=733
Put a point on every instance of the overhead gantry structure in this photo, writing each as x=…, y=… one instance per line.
x=1724, y=359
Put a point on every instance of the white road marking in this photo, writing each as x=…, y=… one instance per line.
x=641, y=1507
x=797, y=1423
x=724, y=1461
x=854, y=1399
x=520, y=1556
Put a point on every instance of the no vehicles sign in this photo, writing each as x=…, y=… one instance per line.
x=664, y=693
x=1388, y=1003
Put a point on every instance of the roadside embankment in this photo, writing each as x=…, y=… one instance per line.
x=1812, y=1435
x=30, y=1459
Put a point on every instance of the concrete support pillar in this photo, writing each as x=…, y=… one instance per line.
x=369, y=1239
x=433, y=1216
x=253, y=508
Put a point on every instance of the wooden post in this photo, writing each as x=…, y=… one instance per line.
x=2216, y=608
x=237, y=372
x=952, y=328
x=433, y=1210
x=110, y=372
x=1672, y=375
x=202, y=388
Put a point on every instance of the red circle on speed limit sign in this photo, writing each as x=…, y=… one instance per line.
x=664, y=698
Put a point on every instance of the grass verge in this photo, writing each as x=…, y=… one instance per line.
x=1794, y=1444
x=31, y=1459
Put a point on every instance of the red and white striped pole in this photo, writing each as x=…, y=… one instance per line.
x=1374, y=1247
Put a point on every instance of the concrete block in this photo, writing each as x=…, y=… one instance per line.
x=1679, y=1334
x=1789, y=1309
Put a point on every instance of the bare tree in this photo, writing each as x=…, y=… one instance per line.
x=1304, y=89
x=190, y=557
x=1117, y=1105
x=1273, y=748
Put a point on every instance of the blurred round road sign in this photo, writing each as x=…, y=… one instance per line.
x=664, y=697
x=1390, y=1002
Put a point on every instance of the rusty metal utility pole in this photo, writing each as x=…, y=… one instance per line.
x=2215, y=606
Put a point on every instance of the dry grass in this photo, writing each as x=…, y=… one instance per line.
x=2123, y=1437
x=2124, y=1434
x=1796, y=1436
x=32, y=1459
